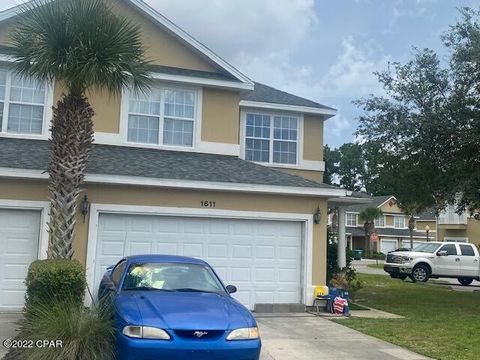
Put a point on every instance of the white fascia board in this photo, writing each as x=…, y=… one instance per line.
x=225, y=84
x=285, y=107
x=181, y=184
x=177, y=31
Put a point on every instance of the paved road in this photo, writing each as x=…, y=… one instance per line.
x=311, y=337
x=8, y=329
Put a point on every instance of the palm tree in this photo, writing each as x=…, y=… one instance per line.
x=368, y=217
x=82, y=45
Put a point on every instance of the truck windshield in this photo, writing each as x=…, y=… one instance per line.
x=426, y=248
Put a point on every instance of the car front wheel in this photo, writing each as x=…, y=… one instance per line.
x=420, y=273
x=465, y=281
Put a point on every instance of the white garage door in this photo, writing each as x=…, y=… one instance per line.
x=262, y=258
x=19, y=233
x=387, y=245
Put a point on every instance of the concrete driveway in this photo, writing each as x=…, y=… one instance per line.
x=8, y=329
x=311, y=337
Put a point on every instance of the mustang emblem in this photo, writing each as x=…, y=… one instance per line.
x=199, y=334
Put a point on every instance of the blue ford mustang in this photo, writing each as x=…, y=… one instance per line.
x=173, y=307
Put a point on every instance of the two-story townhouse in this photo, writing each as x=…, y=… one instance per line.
x=458, y=227
x=392, y=226
x=207, y=164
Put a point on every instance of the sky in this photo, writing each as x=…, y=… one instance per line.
x=322, y=50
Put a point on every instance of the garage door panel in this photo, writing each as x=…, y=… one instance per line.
x=19, y=236
x=112, y=248
x=259, y=257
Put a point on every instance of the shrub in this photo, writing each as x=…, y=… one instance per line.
x=51, y=281
x=332, y=265
x=347, y=279
x=85, y=333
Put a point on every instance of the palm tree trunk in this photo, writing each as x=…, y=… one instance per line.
x=71, y=143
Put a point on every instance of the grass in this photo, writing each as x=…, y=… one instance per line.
x=439, y=322
x=375, y=266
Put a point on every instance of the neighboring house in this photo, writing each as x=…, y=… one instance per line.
x=208, y=164
x=458, y=228
x=392, y=227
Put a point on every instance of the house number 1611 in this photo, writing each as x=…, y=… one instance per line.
x=207, y=203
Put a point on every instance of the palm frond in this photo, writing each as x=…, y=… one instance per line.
x=81, y=43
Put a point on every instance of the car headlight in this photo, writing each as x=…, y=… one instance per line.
x=145, y=332
x=244, y=334
x=406, y=259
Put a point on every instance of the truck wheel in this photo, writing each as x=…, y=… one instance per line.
x=420, y=273
x=402, y=276
x=465, y=281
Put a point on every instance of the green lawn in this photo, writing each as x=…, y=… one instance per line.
x=375, y=266
x=439, y=322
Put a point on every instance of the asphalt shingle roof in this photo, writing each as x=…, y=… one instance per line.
x=376, y=201
x=154, y=163
x=268, y=94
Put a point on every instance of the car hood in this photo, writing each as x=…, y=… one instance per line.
x=411, y=253
x=183, y=310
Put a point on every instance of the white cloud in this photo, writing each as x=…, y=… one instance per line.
x=337, y=126
x=236, y=28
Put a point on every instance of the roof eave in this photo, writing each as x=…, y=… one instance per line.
x=326, y=113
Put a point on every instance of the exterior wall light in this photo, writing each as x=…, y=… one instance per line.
x=317, y=216
x=427, y=229
x=85, y=207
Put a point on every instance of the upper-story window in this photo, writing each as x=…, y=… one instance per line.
x=22, y=104
x=399, y=222
x=271, y=138
x=162, y=116
x=379, y=222
x=351, y=219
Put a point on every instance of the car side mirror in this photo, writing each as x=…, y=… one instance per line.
x=442, y=253
x=110, y=286
x=231, y=289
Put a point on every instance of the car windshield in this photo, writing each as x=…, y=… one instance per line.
x=426, y=248
x=172, y=277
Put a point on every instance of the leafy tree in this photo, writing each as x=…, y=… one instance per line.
x=331, y=158
x=426, y=127
x=351, y=166
x=368, y=216
x=82, y=45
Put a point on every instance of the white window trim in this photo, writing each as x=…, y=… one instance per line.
x=356, y=219
x=47, y=111
x=271, y=138
x=384, y=222
x=405, y=226
x=197, y=125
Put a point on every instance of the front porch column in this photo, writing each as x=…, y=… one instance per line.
x=342, y=241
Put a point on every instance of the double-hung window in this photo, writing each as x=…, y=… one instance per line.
x=22, y=104
x=162, y=116
x=379, y=222
x=399, y=222
x=271, y=138
x=351, y=219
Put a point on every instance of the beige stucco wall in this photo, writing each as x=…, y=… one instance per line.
x=422, y=224
x=129, y=195
x=389, y=220
x=313, y=138
x=220, y=117
x=471, y=231
x=308, y=174
x=220, y=120
x=386, y=208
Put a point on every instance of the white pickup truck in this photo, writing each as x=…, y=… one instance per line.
x=434, y=260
